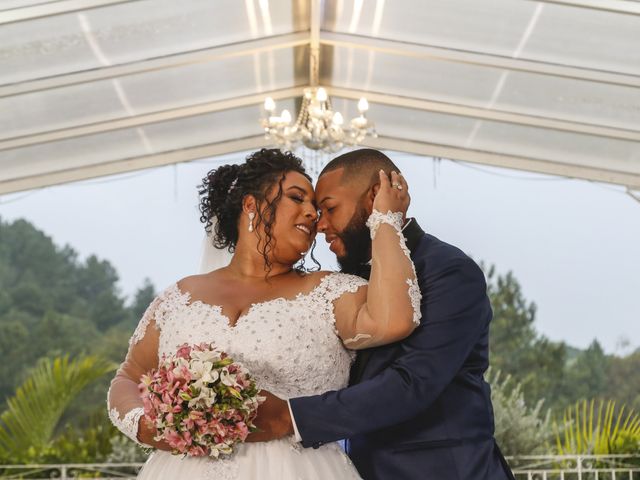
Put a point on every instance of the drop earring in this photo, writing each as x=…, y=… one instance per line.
x=251, y=217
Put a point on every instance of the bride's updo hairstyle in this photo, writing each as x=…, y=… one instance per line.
x=224, y=188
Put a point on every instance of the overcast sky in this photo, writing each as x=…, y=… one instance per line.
x=573, y=245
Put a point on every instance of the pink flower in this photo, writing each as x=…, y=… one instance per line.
x=243, y=430
x=197, y=451
x=184, y=351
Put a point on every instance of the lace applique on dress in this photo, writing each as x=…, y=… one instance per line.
x=167, y=297
x=395, y=220
x=129, y=423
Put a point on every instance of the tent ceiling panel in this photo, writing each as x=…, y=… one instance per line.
x=81, y=152
x=93, y=87
x=133, y=31
x=486, y=87
x=182, y=86
x=538, y=31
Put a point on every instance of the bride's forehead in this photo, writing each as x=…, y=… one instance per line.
x=299, y=180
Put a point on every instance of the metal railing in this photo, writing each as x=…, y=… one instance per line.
x=71, y=470
x=576, y=467
x=532, y=467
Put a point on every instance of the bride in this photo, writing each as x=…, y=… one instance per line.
x=293, y=330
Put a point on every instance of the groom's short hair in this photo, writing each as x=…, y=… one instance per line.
x=361, y=166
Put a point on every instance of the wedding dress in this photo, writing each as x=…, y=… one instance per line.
x=291, y=348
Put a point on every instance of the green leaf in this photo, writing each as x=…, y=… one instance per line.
x=33, y=413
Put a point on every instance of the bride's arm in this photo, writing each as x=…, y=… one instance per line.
x=123, y=399
x=389, y=309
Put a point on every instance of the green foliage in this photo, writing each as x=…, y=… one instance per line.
x=623, y=379
x=89, y=445
x=516, y=348
x=27, y=427
x=52, y=303
x=520, y=429
x=124, y=450
x=598, y=430
x=586, y=375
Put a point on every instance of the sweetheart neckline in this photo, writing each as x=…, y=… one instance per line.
x=218, y=308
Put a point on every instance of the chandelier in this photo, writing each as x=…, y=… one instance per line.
x=317, y=127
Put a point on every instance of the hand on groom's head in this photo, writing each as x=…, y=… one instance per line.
x=392, y=194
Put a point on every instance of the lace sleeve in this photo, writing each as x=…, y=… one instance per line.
x=123, y=399
x=389, y=310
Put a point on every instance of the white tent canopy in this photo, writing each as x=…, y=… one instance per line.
x=96, y=87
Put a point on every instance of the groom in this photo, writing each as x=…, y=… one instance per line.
x=419, y=408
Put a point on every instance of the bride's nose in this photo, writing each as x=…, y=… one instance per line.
x=311, y=213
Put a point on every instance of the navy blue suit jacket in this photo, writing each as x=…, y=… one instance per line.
x=420, y=408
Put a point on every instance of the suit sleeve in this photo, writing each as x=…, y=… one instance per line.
x=455, y=310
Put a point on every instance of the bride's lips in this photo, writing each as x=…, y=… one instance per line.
x=304, y=228
x=307, y=230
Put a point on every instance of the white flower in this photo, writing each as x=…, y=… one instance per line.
x=205, y=356
x=228, y=379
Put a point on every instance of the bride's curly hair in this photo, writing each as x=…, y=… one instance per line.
x=224, y=188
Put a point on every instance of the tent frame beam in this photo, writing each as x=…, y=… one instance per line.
x=131, y=164
x=146, y=119
x=613, y=6
x=535, y=165
x=53, y=8
x=487, y=114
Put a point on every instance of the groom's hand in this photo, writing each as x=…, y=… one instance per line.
x=274, y=419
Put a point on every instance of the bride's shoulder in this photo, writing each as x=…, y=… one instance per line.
x=198, y=285
x=337, y=280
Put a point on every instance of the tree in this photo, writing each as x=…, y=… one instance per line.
x=516, y=348
x=587, y=375
x=623, y=379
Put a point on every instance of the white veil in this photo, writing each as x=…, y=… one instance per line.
x=212, y=258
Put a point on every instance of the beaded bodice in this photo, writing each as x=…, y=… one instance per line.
x=289, y=345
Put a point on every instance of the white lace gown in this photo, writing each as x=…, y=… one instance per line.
x=292, y=349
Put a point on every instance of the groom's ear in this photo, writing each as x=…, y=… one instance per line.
x=371, y=195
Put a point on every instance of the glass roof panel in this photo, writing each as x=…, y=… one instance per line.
x=134, y=31
x=484, y=87
x=132, y=142
x=502, y=138
x=541, y=31
x=151, y=92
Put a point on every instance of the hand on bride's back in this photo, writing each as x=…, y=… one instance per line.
x=273, y=420
x=393, y=194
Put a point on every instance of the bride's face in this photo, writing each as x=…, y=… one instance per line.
x=294, y=228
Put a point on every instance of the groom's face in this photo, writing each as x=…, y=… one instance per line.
x=343, y=213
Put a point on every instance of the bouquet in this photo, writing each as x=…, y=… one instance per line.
x=200, y=401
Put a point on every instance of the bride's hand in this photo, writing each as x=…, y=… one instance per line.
x=393, y=195
x=146, y=433
x=273, y=420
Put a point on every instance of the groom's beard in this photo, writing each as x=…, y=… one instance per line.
x=357, y=243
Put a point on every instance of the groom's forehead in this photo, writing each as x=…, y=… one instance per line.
x=329, y=185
